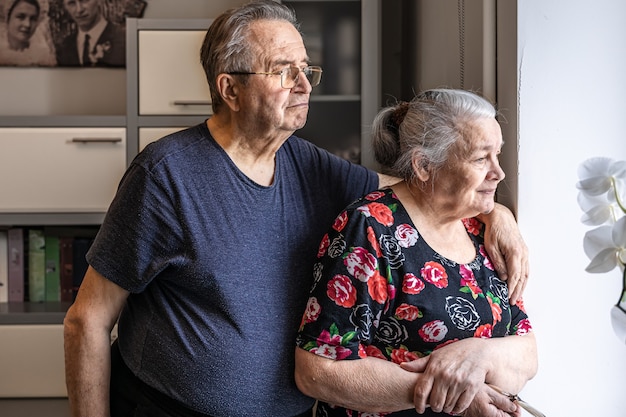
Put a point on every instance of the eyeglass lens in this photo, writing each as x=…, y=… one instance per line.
x=290, y=75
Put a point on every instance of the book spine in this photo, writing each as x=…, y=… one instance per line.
x=66, y=268
x=4, y=267
x=36, y=266
x=53, y=270
x=16, y=264
x=80, y=248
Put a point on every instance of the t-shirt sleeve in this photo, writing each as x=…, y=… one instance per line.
x=140, y=235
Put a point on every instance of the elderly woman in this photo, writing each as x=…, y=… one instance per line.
x=403, y=275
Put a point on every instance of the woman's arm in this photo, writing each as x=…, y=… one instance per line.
x=455, y=373
x=375, y=385
x=367, y=384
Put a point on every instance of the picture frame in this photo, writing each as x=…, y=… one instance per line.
x=65, y=33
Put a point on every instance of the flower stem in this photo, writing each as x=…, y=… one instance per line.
x=621, y=296
x=617, y=199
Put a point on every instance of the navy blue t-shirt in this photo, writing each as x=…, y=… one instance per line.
x=219, y=268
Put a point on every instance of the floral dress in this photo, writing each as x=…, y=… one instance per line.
x=381, y=291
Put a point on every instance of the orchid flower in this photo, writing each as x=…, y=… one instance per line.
x=602, y=186
x=601, y=180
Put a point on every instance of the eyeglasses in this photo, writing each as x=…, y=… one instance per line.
x=289, y=75
x=516, y=399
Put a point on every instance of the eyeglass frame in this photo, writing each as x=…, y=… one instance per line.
x=283, y=74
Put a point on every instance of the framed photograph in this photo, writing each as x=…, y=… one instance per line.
x=65, y=33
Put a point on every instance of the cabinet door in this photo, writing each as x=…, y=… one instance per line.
x=31, y=361
x=171, y=78
x=332, y=36
x=60, y=169
x=150, y=134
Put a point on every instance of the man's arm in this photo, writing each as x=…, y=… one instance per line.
x=87, y=333
x=506, y=249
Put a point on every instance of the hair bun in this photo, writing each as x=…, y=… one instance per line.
x=399, y=113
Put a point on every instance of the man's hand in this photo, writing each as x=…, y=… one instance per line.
x=506, y=249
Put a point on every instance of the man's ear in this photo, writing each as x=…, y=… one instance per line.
x=228, y=89
x=421, y=167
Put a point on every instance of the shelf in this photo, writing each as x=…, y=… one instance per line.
x=51, y=219
x=62, y=121
x=33, y=313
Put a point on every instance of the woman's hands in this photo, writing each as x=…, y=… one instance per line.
x=453, y=380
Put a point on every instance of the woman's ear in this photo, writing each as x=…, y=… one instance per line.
x=228, y=89
x=420, y=167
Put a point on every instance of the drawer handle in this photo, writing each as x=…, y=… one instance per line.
x=192, y=103
x=96, y=140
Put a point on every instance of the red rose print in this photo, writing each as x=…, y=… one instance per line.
x=371, y=238
x=340, y=221
x=378, y=211
x=312, y=311
x=487, y=261
x=374, y=352
x=377, y=288
x=484, y=331
x=324, y=244
x=472, y=226
x=412, y=284
x=433, y=331
x=360, y=263
x=434, y=273
x=341, y=291
x=403, y=355
x=523, y=327
x=406, y=235
x=496, y=310
x=407, y=312
x=374, y=195
x=468, y=280
x=332, y=352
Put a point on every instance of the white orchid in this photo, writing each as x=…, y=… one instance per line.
x=601, y=181
x=602, y=186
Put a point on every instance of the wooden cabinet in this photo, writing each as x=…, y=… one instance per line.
x=170, y=78
x=343, y=38
x=32, y=361
x=60, y=170
x=163, y=62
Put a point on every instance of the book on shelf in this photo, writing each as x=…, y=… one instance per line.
x=36, y=265
x=4, y=267
x=53, y=269
x=80, y=247
x=43, y=264
x=66, y=262
x=15, y=240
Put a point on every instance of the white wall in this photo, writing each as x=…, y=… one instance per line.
x=572, y=105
